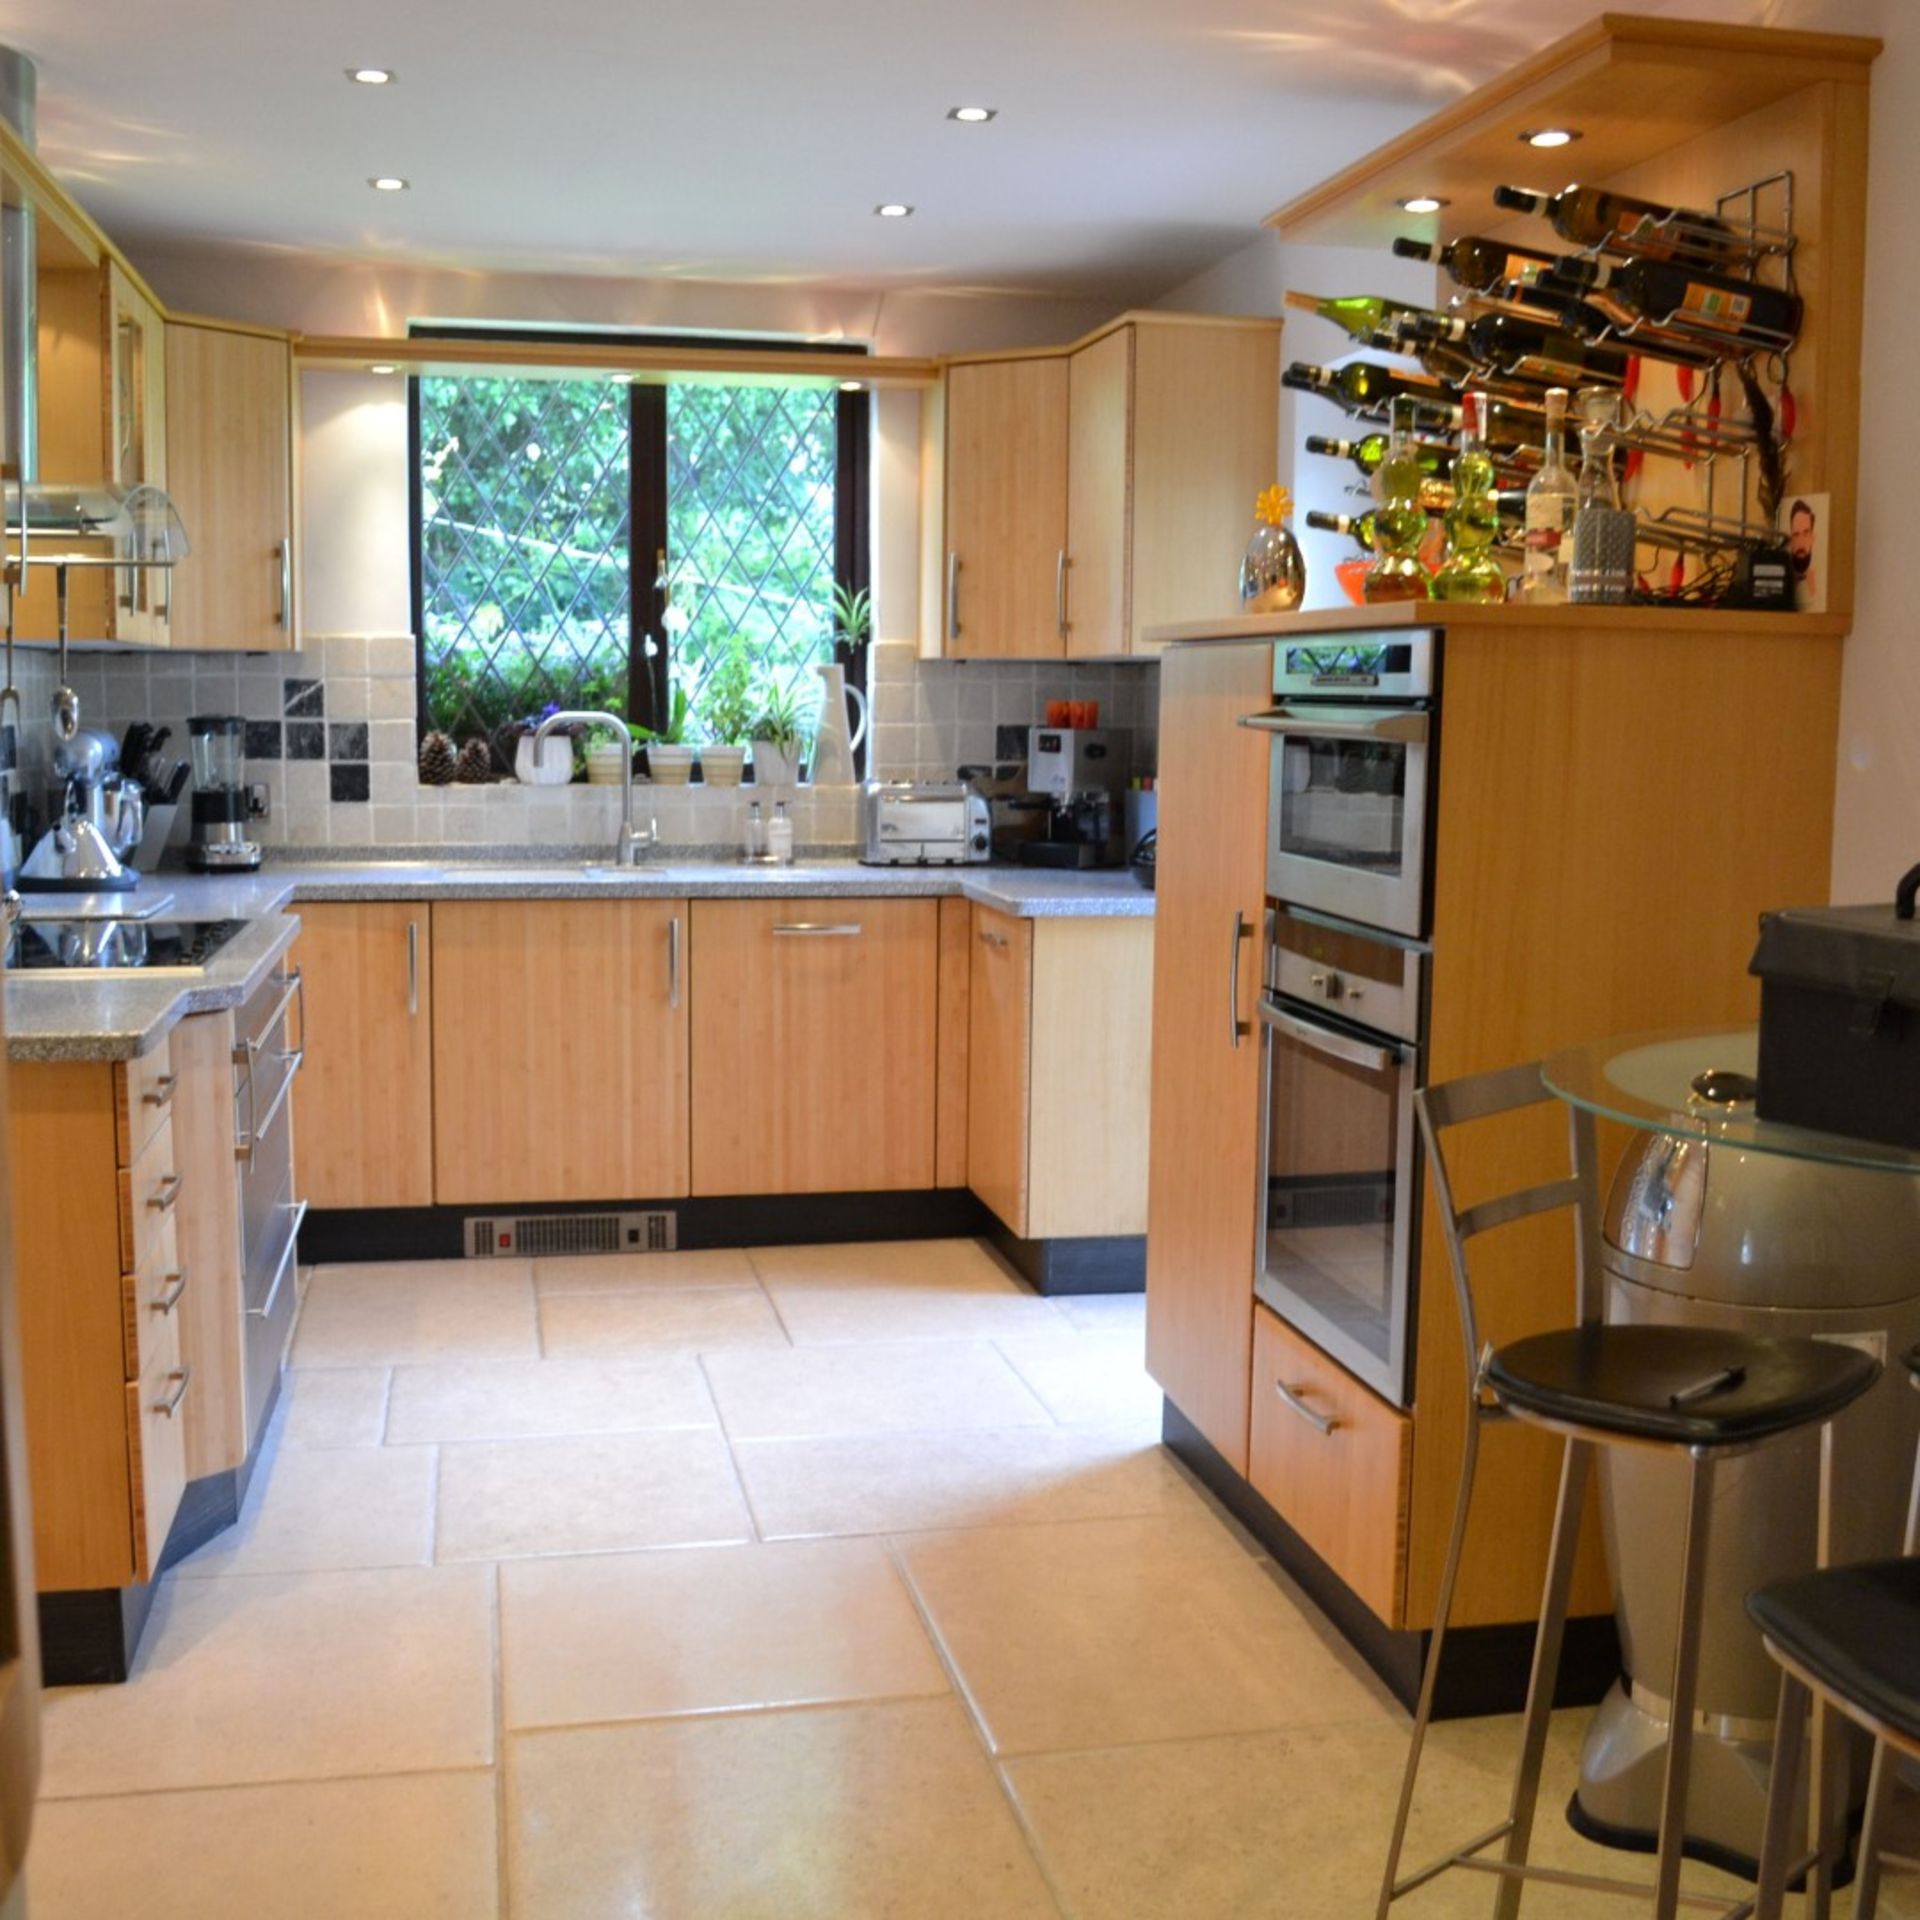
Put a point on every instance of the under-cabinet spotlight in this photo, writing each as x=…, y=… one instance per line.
x=1422, y=203
x=1551, y=136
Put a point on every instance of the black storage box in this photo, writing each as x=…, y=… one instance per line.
x=1840, y=1018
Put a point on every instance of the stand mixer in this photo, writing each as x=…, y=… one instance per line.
x=102, y=816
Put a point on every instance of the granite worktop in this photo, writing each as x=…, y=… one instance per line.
x=71, y=1017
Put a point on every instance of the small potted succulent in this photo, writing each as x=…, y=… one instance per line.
x=551, y=763
x=669, y=756
x=779, y=738
x=726, y=717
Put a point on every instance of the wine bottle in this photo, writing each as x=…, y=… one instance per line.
x=1367, y=453
x=1740, y=311
x=1415, y=336
x=1360, y=314
x=1358, y=527
x=1470, y=573
x=1361, y=386
x=1509, y=426
x=1505, y=343
x=1552, y=497
x=1473, y=262
x=1594, y=217
x=1590, y=321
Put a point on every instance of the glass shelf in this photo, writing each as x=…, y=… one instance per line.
x=1688, y=1085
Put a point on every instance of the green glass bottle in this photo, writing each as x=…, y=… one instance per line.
x=1399, y=520
x=1470, y=572
x=1361, y=314
x=1363, y=386
x=1367, y=452
x=1358, y=527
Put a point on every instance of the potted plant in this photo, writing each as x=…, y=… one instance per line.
x=551, y=765
x=779, y=738
x=852, y=622
x=606, y=754
x=726, y=717
x=669, y=757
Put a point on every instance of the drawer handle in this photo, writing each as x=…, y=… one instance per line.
x=821, y=929
x=160, y=1094
x=1320, y=1422
x=163, y=1199
x=165, y=1302
x=992, y=939
x=170, y=1405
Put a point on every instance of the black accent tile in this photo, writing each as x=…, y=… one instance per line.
x=307, y=698
x=350, y=783
x=306, y=740
x=1009, y=743
x=347, y=740
x=263, y=739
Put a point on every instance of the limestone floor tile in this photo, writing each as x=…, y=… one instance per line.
x=1106, y=1632
x=422, y=1310
x=897, y=1483
x=833, y=1813
x=308, y=1510
x=1104, y=1312
x=594, y=1493
x=631, y=1636
x=1296, y=1822
x=636, y=1272
x=689, y=1320
x=519, y=1399
x=331, y=1407
x=288, y=1677
x=898, y=1386
x=1083, y=1378
x=964, y=1266
x=415, y=1848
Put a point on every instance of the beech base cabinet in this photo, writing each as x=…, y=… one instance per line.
x=1058, y=1070
x=815, y=1029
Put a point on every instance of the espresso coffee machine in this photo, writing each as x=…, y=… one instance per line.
x=1082, y=773
x=217, y=744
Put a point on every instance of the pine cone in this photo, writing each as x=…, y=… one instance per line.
x=474, y=768
x=437, y=760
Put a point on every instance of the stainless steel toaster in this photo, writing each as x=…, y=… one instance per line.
x=923, y=823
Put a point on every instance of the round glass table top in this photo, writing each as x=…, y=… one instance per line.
x=1700, y=1086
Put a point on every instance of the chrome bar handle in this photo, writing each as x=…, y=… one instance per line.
x=246, y=1054
x=168, y=1407
x=166, y=1196
x=297, y=1059
x=165, y=1302
x=953, y=595
x=1290, y=1396
x=992, y=939
x=264, y=1311
x=161, y=1093
x=673, y=963
x=1338, y=1046
x=413, y=969
x=1060, y=595
x=295, y=990
x=283, y=614
x=1236, y=1027
x=1406, y=729
x=821, y=929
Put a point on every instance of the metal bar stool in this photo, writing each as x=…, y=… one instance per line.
x=1847, y=1639
x=1701, y=1393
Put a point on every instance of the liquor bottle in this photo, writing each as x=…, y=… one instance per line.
x=1361, y=314
x=1740, y=311
x=1604, y=532
x=1366, y=453
x=1470, y=572
x=1475, y=263
x=1552, y=497
x=1505, y=343
x=1400, y=522
x=1361, y=386
x=1593, y=217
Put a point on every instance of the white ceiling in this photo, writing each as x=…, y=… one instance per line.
x=1138, y=140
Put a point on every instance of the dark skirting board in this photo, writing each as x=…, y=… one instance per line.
x=1109, y=1263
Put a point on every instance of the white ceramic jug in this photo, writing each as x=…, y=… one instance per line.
x=832, y=746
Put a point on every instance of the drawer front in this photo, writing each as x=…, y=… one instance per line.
x=156, y=1444
x=1334, y=1461
x=150, y=1301
x=149, y=1191
x=142, y=1099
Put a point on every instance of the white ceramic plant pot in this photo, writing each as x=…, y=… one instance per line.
x=604, y=767
x=670, y=766
x=552, y=766
x=723, y=766
x=775, y=766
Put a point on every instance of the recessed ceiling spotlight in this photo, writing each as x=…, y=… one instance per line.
x=1422, y=203
x=388, y=183
x=853, y=386
x=893, y=210
x=382, y=366
x=372, y=76
x=972, y=116
x=1551, y=136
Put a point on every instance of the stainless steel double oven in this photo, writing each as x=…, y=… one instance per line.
x=1354, y=727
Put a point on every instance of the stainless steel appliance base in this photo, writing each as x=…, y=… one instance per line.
x=237, y=855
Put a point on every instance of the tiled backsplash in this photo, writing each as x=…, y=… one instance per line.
x=331, y=735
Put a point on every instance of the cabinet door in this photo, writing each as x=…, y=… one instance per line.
x=814, y=1025
x=1006, y=510
x=230, y=471
x=559, y=1051
x=363, y=1104
x=1202, y=1193
x=1099, y=493
x=999, y=1052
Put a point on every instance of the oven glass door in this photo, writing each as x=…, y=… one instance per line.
x=1348, y=812
x=1338, y=1215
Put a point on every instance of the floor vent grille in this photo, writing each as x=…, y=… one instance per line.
x=529, y=1236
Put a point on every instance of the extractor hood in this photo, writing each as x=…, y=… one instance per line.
x=140, y=525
